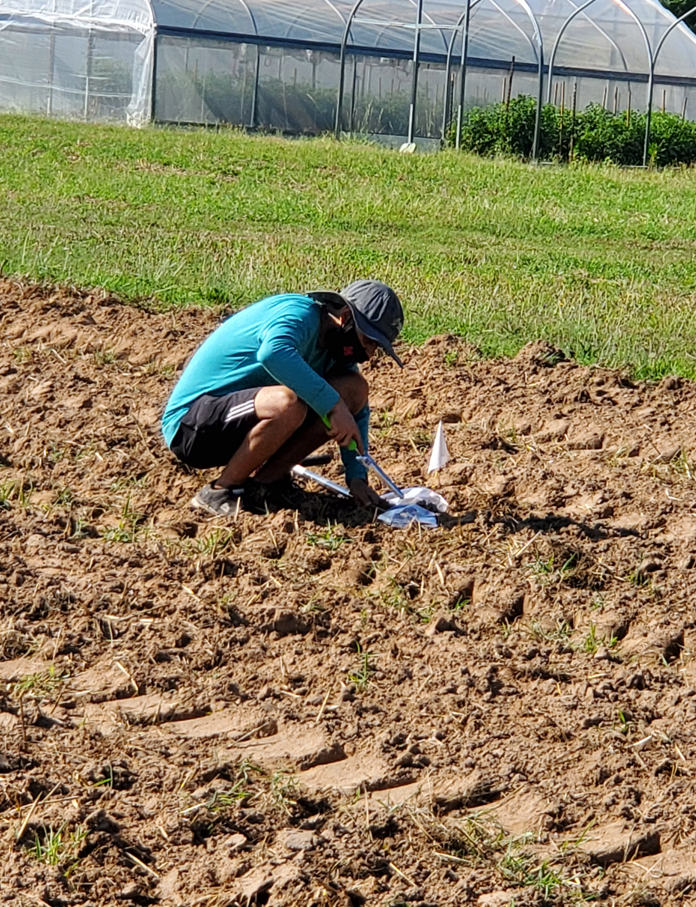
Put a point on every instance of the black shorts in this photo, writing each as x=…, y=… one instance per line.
x=214, y=427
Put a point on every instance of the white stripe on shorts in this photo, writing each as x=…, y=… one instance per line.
x=237, y=412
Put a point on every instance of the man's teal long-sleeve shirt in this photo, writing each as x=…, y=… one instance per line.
x=272, y=342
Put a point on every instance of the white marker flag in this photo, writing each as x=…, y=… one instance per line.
x=439, y=455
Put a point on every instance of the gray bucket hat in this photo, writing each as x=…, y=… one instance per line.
x=376, y=309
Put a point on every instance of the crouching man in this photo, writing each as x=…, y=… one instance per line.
x=273, y=382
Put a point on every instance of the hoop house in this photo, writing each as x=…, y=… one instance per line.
x=380, y=67
x=89, y=59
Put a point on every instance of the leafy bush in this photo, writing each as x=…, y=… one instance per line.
x=673, y=138
x=603, y=136
x=593, y=134
x=509, y=129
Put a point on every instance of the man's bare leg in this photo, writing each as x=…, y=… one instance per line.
x=281, y=414
x=353, y=389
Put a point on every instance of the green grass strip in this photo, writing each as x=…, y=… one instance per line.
x=597, y=260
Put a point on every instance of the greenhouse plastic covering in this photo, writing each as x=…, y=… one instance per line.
x=277, y=63
x=89, y=60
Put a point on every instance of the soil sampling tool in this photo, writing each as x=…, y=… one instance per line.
x=412, y=505
x=302, y=473
x=369, y=461
x=411, y=502
x=402, y=511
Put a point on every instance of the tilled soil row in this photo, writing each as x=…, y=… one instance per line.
x=307, y=707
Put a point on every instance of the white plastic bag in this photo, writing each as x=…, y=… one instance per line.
x=428, y=499
x=402, y=516
x=410, y=509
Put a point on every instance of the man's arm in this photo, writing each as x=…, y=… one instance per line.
x=356, y=474
x=353, y=468
x=281, y=356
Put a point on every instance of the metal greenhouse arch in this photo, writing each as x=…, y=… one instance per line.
x=465, y=16
x=283, y=65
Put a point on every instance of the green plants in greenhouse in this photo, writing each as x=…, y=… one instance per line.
x=593, y=134
x=227, y=98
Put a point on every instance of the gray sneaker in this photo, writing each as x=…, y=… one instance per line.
x=218, y=501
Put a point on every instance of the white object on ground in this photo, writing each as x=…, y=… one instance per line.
x=407, y=510
x=303, y=473
x=419, y=495
x=401, y=516
x=439, y=455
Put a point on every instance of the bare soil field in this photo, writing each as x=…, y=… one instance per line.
x=306, y=707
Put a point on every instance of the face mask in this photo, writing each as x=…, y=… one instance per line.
x=344, y=346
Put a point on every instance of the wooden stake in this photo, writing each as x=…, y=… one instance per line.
x=561, y=120
x=572, y=121
x=509, y=85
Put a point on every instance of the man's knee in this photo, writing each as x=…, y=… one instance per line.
x=291, y=407
x=280, y=402
x=354, y=390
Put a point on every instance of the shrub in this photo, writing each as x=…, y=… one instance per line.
x=603, y=136
x=593, y=134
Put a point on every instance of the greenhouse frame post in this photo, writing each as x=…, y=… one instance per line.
x=557, y=42
x=88, y=62
x=448, y=79
x=414, y=77
x=540, y=101
x=51, y=66
x=354, y=82
x=462, y=78
x=651, y=81
x=540, y=74
x=257, y=68
x=255, y=92
x=448, y=69
x=342, y=69
x=561, y=32
x=153, y=86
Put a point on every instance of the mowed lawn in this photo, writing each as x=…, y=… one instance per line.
x=599, y=261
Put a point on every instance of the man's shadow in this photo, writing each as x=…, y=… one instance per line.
x=325, y=509
x=318, y=507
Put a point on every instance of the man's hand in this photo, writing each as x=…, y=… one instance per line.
x=365, y=496
x=344, y=428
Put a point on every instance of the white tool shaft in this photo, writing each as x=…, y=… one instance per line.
x=303, y=473
x=367, y=460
